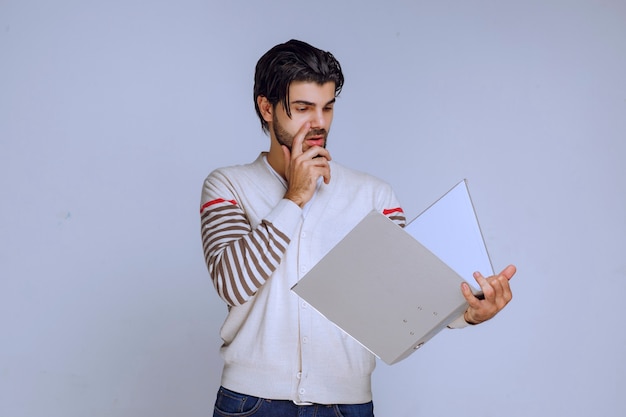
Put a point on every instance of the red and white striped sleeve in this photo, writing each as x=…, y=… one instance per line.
x=396, y=214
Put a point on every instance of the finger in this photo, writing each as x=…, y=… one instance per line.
x=298, y=140
x=317, y=152
x=501, y=291
x=488, y=290
x=496, y=284
x=318, y=157
x=480, y=280
x=321, y=167
x=326, y=173
x=327, y=177
x=509, y=271
x=505, y=292
x=501, y=284
x=469, y=296
x=467, y=291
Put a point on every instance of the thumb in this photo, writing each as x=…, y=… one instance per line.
x=509, y=271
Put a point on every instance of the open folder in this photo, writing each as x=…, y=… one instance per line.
x=387, y=289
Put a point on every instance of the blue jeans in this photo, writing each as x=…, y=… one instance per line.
x=233, y=404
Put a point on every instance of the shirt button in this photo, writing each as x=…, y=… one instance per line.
x=302, y=391
x=303, y=235
x=299, y=375
x=305, y=339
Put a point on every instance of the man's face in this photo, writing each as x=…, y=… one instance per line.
x=309, y=102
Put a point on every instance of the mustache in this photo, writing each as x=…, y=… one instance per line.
x=316, y=132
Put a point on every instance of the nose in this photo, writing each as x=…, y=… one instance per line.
x=318, y=119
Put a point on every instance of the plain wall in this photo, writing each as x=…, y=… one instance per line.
x=112, y=114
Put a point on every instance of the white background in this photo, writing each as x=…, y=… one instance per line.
x=113, y=112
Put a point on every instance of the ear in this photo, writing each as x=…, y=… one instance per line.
x=266, y=108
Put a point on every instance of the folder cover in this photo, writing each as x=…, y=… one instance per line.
x=385, y=288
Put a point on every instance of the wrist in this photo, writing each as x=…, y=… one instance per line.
x=295, y=199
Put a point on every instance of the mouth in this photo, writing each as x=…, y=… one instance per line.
x=316, y=139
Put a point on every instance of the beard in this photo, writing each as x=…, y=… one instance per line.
x=286, y=139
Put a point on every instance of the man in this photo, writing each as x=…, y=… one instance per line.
x=265, y=224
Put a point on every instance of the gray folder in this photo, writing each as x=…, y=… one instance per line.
x=385, y=288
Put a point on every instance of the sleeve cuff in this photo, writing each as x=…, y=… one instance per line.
x=286, y=217
x=459, y=322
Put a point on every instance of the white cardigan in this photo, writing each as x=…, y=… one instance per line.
x=257, y=246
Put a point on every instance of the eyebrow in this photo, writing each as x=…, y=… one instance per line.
x=309, y=103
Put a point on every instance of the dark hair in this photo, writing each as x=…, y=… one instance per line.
x=292, y=61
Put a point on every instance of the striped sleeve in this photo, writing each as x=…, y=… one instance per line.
x=240, y=259
x=396, y=214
